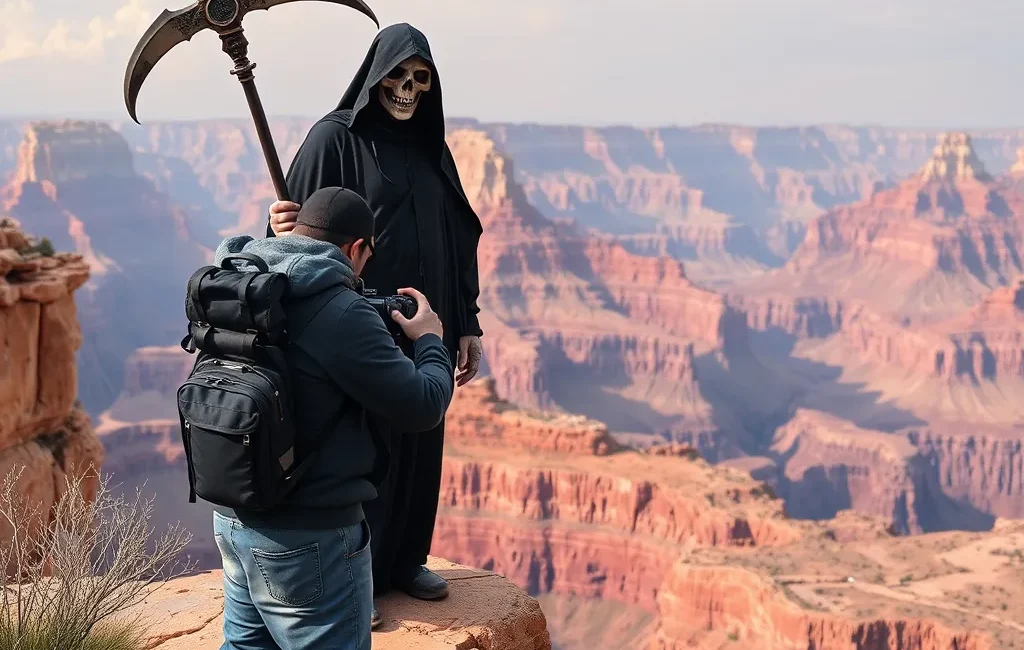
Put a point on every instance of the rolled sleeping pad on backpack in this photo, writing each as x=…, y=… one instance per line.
x=226, y=299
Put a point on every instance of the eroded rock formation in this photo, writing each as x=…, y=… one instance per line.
x=44, y=433
x=479, y=416
x=935, y=243
x=76, y=184
x=582, y=324
x=707, y=607
x=553, y=504
x=711, y=554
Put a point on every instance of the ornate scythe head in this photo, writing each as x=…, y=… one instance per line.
x=173, y=27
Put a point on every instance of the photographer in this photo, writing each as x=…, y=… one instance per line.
x=299, y=576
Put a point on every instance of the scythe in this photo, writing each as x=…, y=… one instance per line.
x=225, y=18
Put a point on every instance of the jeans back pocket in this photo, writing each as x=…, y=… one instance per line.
x=293, y=577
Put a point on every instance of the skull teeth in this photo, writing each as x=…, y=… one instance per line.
x=400, y=101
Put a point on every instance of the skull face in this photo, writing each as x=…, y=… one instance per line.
x=400, y=90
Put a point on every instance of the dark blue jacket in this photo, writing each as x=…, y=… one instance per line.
x=348, y=375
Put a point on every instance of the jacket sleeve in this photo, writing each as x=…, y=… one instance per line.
x=317, y=163
x=367, y=365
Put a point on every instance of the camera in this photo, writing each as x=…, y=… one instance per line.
x=384, y=306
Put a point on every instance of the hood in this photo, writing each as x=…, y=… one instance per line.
x=310, y=265
x=392, y=45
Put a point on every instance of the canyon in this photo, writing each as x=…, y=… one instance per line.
x=729, y=200
x=75, y=183
x=576, y=322
x=611, y=324
x=703, y=556
x=685, y=553
x=933, y=244
x=742, y=386
x=899, y=322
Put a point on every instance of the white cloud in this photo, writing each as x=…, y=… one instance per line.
x=26, y=35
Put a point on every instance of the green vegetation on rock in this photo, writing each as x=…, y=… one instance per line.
x=77, y=571
x=41, y=248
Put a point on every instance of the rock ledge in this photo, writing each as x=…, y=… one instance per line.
x=484, y=611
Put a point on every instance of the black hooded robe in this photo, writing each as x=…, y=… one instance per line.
x=426, y=237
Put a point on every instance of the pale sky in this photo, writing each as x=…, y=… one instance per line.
x=916, y=63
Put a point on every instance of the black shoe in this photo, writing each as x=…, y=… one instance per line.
x=423, y=583
x=375, y=618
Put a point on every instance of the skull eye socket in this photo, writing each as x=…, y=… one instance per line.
x=421, y=76
x=396, y=73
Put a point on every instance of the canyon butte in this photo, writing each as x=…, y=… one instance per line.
x=791, y=352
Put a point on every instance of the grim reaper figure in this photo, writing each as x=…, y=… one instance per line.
x=386, y=142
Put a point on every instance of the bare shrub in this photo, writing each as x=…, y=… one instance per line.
x=75, y=572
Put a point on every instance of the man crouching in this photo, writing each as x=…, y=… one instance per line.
x=299, y=575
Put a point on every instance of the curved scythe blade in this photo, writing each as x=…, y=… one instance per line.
x=358, y=5
x=169, y=29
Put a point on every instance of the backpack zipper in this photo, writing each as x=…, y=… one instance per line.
x=247, y=368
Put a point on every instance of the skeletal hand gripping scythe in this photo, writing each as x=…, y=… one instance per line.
x=225, y=18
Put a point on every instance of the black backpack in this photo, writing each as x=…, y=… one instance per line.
x=236, y=407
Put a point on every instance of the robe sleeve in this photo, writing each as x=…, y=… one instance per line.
x=469, y=284
x=467, y=242
x=317, y=163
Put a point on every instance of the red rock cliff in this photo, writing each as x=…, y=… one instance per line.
x=704, y=548
x=552, y=503
x=43, y=431
x=577, y=318
x=140, y=247
x=709, y=607
x=933, y=244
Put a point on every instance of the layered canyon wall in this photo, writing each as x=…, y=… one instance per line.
x=45, y=435
x=577, y=322
x=704, y=550
x=555, y=504
x=76, y=183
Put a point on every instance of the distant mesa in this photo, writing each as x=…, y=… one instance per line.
x=936, y=243
x=1017, y=169
x=954, y=159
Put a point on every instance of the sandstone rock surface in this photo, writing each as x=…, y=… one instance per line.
x=482, y=612
x=44, y=433
x=480, y=417
x=41, y=336
x=705, y=607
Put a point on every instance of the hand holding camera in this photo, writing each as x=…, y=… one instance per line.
x=425, y=321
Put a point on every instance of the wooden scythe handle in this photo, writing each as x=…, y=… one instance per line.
x=237, y=47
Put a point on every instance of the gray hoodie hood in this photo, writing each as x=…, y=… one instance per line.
x=310, y=265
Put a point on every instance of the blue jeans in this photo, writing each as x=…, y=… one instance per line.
x=295, y=589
